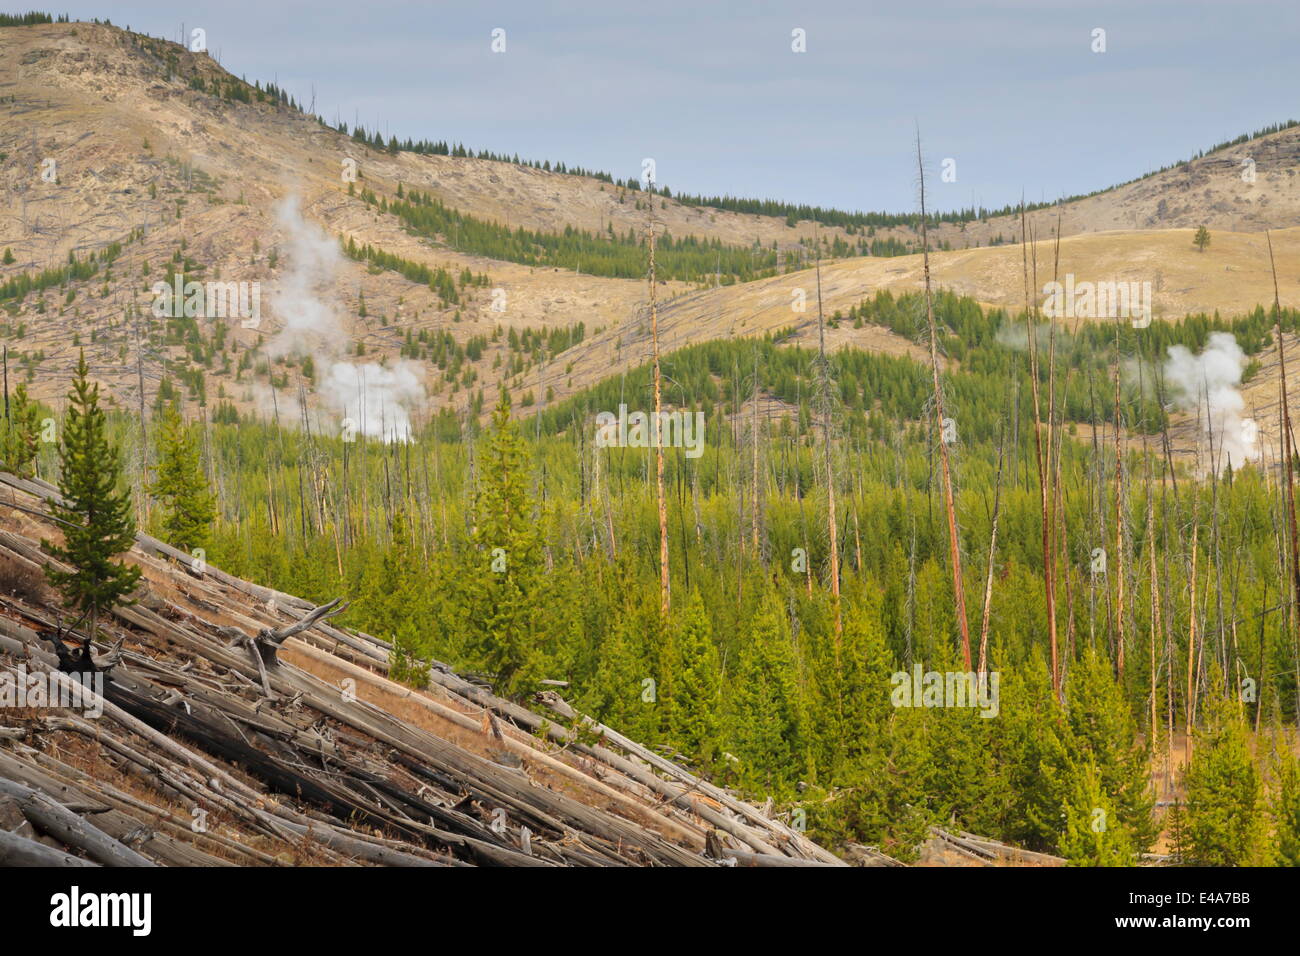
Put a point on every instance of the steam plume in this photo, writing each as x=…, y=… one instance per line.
x=1209, y=385
x=366, y=398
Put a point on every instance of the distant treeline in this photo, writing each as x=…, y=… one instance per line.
x=233, y=90
x=426, y=147
x=28, y=19
x=792, y=213
x=611, y=254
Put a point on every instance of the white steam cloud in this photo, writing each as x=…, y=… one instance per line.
x=374, y=398
x=1208, y=385
x=304, y=291
x=366, y=398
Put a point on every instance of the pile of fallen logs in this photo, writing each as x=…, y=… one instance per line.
x=225, y=723
x=966, y=849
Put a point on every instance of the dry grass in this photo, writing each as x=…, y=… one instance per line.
x=21, y=580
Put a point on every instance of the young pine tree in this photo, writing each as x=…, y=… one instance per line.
x=1034, y=743
x=767, y=710
x=1223, y=822
x=1094, y=833
x=1286, y=808
x=507, y=589
x=884, y=796
x=188, y=507
x=1103, y=730
x=694, y=680
x=18, y=439
x=95, y=516
x=397, y=606
x=625, y=687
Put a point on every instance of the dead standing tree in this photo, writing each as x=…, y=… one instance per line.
x=824, y=400
x=264, y=649
x=665, y=591
x=954, y=548
x=1284, y=424
x=1042, y=456
x=755, y=437
x=1120, y=515
x=993, y=549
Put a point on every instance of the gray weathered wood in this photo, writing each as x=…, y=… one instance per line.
x=20, y=851
x=65, y=826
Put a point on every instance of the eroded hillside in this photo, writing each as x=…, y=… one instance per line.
x=151, y=160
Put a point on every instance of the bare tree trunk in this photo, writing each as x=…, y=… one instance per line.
x=1053, y=452
x=1155, y=589
x=1119, y=524
x=993, y=547
x=954, y=548
x=1041, y=456
x=1287, y=451
x=144, y=429
x=824, y=383
x=755, y=505
x=1189, y=704
x=664, y=587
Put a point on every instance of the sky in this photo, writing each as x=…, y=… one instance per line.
x=1012, y=92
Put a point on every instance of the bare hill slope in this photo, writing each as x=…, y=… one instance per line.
x=113, y=138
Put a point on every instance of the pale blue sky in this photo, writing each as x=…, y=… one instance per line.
x=1011, y=90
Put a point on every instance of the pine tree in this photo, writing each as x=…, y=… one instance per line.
x=95, y=516
x=694, y=683
x=965, y=783
x=1286, y=808
x=1035, y=744
x=625, y=692
x=189, y=509
x=885, y=794
x=767, y=729
x=1094, y=833
x=399, y=608
x=1103, y=730
x=507, y=588
x=1224, y=823
x=18, y=440
x=1202, y=238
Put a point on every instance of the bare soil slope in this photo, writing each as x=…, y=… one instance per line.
x=142, y=157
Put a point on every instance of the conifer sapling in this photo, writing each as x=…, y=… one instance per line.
x=95, y=517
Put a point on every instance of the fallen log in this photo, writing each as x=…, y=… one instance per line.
x=748, y=858
x=65, y=826
x=360, y=849
x=870, y=856
x=20, y=851
x=964, y=847
x=1011, y=853
x=526, y=750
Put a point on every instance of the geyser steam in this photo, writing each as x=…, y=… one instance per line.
x=1208, y=384
x=369, y=398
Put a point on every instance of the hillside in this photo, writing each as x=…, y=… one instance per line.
x=156, y=149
